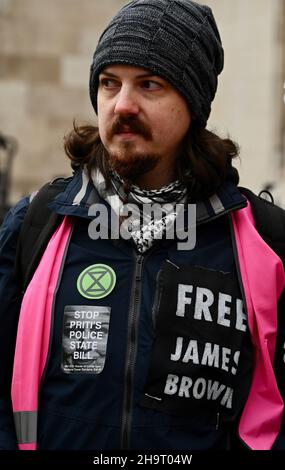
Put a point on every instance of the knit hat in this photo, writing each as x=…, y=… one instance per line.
x=177, y=40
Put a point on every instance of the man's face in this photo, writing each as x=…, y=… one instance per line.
x=142, y=120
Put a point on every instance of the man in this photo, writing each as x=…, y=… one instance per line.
x=127, y=337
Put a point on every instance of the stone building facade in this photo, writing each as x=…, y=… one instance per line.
x=45, y=54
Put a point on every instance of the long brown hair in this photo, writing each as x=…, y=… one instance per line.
x=208, y=156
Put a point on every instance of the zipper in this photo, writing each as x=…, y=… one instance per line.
x=157, y=298
x=133, y=320
x=158, y=293
x=53, y=308
x=233, y=238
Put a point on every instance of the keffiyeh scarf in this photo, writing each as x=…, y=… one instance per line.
x=145, y=229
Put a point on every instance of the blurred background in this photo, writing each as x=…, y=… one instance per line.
x=46, y=49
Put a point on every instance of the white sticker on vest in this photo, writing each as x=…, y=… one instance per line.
x=84, y=339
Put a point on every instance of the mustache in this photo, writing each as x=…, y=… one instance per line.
x=134, y=125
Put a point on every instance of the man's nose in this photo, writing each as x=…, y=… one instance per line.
x=126, y=102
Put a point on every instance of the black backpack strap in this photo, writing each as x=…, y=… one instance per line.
x=38, y=227
x=269, y=220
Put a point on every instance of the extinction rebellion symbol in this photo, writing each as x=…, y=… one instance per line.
x=96, y=281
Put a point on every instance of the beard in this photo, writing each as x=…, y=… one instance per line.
x=130, y=164
x=127, y=162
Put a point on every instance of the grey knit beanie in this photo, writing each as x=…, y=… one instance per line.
x=175, y=39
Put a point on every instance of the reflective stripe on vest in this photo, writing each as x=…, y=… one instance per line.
x=26, y=426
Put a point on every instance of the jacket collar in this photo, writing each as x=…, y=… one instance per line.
x=80, y=194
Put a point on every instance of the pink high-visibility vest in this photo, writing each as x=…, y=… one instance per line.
x=263, y=277
x=33, y=337
x=263, y=280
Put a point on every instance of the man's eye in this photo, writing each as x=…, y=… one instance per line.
x=108, y=83
x=150, y=85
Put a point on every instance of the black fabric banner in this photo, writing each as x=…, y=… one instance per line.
x=200, y=357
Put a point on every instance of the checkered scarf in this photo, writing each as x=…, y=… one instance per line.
x=144, y=231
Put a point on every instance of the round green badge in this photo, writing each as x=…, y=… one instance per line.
x=96, y=281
